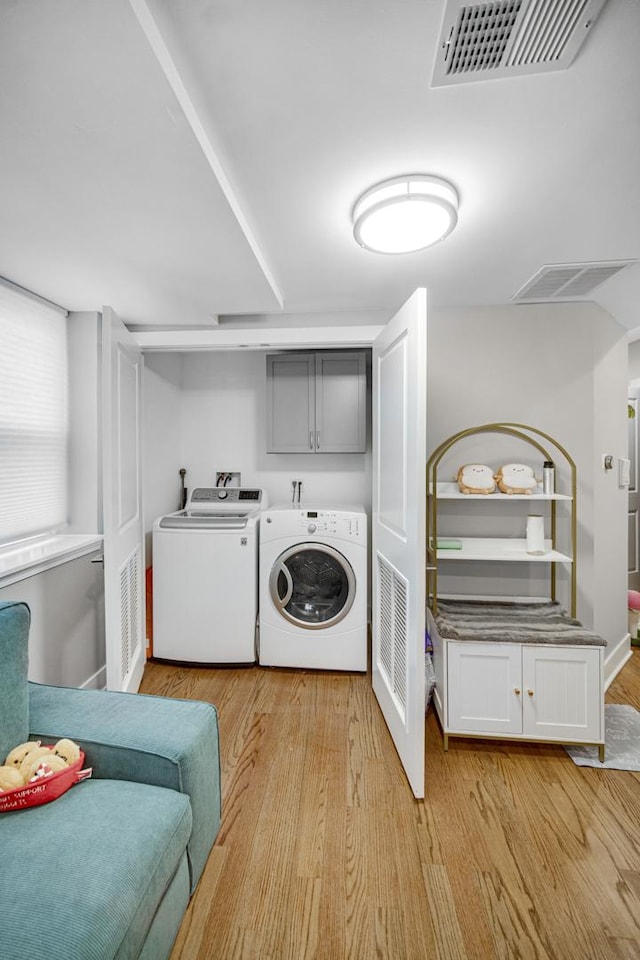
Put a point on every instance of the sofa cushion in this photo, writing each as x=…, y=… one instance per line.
x=14, y=660
x=83, y=877
x=159, y=740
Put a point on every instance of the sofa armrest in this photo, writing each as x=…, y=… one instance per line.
x=155, y=740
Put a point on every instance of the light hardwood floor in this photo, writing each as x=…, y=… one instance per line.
x=515, y=854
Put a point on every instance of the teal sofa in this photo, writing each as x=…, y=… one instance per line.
x=106, y=871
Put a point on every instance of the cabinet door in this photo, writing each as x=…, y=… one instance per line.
x=341, y=397
x=484, y=689
x=562, y=693
x=291, y=403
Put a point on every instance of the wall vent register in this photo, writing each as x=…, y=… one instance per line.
x=482, y=41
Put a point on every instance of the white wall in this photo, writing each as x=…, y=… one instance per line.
x=561, y=369
x=161, y=437
x=610, y=436
x=206, y=412
x=66, y=638
x=634, y=360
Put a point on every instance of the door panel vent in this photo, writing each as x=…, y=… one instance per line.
x=130, y=614
x=568, y=281
x=392, y=617
x=483, y=41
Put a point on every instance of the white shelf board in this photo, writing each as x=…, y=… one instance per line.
x=447, y=490
x=21, y=560
x=507, y=549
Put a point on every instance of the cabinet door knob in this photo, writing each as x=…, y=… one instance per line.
x=517, y=692
x=310, y=439
x=530, y=692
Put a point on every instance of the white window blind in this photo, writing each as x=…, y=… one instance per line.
x=33, y=417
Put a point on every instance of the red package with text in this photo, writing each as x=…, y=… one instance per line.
x=45, y=786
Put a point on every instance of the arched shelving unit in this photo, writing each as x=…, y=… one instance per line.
x=511, y=668
x=502, y=549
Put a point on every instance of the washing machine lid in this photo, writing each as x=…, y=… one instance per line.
x=222, y=508
x=206, y=520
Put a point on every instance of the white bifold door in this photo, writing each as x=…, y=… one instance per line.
x=399, y=530
x=124, y=596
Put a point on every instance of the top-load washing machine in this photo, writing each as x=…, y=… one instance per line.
x=205, y=578
x=313, y=587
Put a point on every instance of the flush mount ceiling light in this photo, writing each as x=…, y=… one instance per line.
x=405, y=214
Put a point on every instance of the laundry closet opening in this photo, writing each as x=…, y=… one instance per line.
x=208, y=412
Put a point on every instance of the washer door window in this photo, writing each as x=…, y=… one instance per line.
x=312, y=586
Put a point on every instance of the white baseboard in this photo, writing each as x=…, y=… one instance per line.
x=615, y=660
x=97, y=682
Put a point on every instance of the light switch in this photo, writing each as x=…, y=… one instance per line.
x=624, y=472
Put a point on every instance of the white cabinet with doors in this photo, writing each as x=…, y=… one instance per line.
x=316, y=402
x=525, y=691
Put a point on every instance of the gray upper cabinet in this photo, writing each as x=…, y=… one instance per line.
x=316, y=402
x=291, y=403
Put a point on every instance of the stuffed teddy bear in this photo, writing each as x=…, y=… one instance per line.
x=17, y=755
x=67, y=750
x=34, y=756
x=10, y=778
x=31, y=761
x=516, y=478
x=43, y=766
x=476, y=478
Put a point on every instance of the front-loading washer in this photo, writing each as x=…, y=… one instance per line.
x=313, y=587
x=205, y=578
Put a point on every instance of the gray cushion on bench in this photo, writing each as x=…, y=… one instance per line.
x=500, y=621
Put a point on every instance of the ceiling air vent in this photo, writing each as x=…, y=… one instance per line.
x=568, y=281
x=507, y=38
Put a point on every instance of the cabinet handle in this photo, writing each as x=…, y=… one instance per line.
x=517, y=692
x=317, y=439
x=310, y=439
x=530, y=692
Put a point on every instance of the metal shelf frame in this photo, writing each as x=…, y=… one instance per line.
x=550, y=449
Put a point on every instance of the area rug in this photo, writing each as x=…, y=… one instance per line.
x=622, y=741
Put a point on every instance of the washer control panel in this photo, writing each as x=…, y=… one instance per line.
x=243, y=501
x=213, y=495
x=328, y=522
x=315, y=523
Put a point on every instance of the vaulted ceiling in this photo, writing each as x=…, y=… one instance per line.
x=183, y=160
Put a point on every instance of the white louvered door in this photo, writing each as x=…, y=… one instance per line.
x=122, y=505
x=398, y=530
